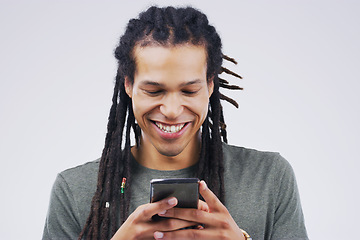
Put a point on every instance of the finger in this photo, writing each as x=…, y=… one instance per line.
x=191, y=215
x=212, y=201
x=189, y=234
x=161, y=206
x=203, y=206
x=172, y=224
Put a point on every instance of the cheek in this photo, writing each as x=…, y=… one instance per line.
x=200, y=107
x=141, y=106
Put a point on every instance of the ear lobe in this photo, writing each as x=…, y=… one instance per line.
x=128, y=87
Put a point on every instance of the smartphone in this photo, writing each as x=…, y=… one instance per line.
x=186, y=191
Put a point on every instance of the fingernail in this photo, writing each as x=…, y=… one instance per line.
x=200, y=227
x=158, y=235
x=204, y=186
x=162, y=212
x=172, y=201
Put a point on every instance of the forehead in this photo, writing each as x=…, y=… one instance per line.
x=185, y=59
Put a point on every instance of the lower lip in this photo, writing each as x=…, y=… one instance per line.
x=169, y=136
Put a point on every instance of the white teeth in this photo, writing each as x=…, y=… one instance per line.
x=170, y=128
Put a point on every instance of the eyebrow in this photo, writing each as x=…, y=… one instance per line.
x=196, y=81
x=153, y=83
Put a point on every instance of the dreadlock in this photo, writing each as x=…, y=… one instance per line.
x=165, y=27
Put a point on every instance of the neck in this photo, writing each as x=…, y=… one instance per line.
x=148, y=156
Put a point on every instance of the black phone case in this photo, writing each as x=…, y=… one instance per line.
x=186, y=190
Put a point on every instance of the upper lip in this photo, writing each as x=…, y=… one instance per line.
x=169, y=124
x=170, y=128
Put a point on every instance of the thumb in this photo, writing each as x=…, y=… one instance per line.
x=210, y=198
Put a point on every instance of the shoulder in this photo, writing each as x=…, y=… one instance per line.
x=242, y=155
x=72, y=193
x=81, y=171
x=265, y=183
x=79, y=179
x=70, y=201
x=251, y=161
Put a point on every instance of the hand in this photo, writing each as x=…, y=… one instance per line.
x=218, y=223
x=140, y=226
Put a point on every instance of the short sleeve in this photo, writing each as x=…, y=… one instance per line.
x=289, y=219
x=62, y=217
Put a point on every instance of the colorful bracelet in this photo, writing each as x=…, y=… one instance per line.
x=247, y=236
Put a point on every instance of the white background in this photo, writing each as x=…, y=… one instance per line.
x=299, y=60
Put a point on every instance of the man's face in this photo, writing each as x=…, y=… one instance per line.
x=170, y=96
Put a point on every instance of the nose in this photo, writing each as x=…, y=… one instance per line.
x=171, y=106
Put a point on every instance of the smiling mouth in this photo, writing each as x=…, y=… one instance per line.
x=170, y=128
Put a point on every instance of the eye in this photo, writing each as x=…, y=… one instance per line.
x=153, y=92
x=189, y=93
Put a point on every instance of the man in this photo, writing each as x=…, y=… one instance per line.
x=167, y=92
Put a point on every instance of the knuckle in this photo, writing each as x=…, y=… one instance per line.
x=170, y=224
x=144, y=211
x=224, y=224
x=197, y=214
x=172, y=212
x=163, y=204
x=223, y=234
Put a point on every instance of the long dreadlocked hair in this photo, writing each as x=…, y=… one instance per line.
x=165, y=27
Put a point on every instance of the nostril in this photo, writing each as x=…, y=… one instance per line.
x=171, y=112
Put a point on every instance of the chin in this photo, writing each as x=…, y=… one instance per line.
x=169, y=152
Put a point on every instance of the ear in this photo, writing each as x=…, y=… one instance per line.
x=128, y=87
x=211, y=86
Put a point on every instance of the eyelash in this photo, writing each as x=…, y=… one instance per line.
x=155, y=93
x=189, y=92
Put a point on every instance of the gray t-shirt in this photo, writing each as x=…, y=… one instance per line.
x=260, y=193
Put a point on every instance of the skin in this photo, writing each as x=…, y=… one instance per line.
x=170, y=87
